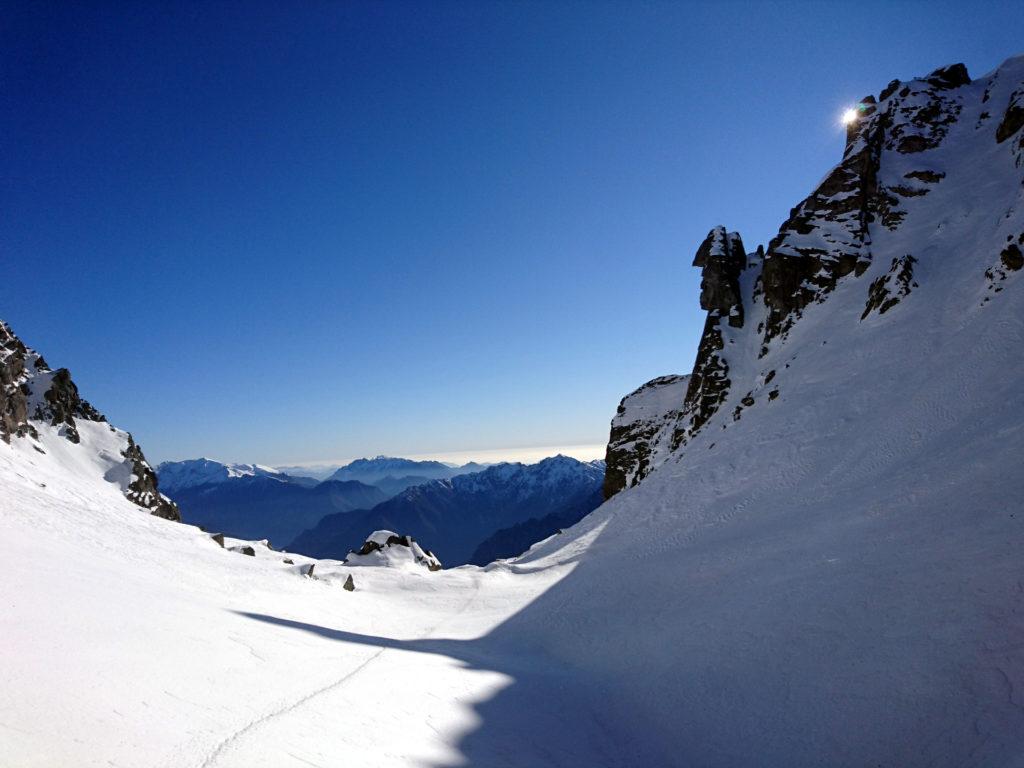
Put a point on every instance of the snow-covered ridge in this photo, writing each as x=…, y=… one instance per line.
x=455, y=516
x=41, y=410
x=190, y=473
x=385, y=468
x=554, y=471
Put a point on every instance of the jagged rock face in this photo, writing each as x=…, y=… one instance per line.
x=641, y=431
x=887, y=291
x=722, y=260
x=827, y=236
x=912, y=155
x=142, y=489
x=14, y=390
x=33, y=395
x=1013, y=118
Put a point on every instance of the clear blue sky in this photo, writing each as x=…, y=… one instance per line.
x=287, y=232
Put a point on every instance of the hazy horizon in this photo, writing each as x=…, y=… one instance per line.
x=525, y=455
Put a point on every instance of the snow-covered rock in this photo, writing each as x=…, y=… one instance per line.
x=387, y=548
x=41, y=409
x=641, y=432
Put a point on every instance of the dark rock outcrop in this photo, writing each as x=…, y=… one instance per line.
x=888, y=290
x=1013, y=118
x=63, y=405
x=641, y=432
x=14, y=390
x=827, y=235
x=142, y=489
x=31, y=392
x=1012, y=257
x=722, y=260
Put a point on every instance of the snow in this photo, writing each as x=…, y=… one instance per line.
x=836, y=578
x=128, y=640
x=393, y=555
x=554, y=472
x=175, y=475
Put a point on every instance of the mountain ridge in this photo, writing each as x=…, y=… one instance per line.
x=38, y=403
x=454, y=516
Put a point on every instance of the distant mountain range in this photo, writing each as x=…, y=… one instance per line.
x=393, y=474
x=253, y=501
x=456, y=517
x=274, y=507
x=472, y=513
x=178, y=475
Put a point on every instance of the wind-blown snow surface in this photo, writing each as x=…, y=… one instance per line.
x=131, y=641
x=834, y=579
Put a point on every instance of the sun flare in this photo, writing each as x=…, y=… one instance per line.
x=849, y=116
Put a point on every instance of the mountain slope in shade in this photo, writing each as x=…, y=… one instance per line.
x=453, y=517
x=516, y=539
x=828, y=568
x=271, y=507
x=41, y=409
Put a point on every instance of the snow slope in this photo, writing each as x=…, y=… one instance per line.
x=835, y=576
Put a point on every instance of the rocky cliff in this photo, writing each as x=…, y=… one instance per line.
x=909, y=143
x=35, y=399
x=642, y=431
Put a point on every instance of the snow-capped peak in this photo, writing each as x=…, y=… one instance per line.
x=175, y=475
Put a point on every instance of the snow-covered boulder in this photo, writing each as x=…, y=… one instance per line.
x=387, y=548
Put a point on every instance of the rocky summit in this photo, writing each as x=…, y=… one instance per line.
x=37, y=402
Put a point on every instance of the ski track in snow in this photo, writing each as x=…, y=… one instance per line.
x=226, y=745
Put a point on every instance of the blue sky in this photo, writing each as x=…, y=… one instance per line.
x=300, y=232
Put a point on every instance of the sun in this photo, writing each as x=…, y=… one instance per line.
x=849, y=116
